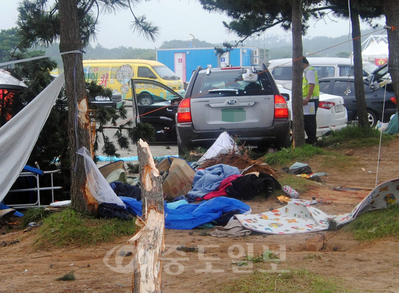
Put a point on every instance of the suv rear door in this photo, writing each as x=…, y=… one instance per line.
x=223, y=100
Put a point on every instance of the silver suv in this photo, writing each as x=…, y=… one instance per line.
x=244, y=101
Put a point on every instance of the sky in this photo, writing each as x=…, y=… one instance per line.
x=177, y=20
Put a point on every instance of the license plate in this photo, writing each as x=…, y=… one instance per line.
x=233, y=115
x=339, y=108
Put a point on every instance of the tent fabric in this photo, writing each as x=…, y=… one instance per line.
x=384, y=195
x=7, y=81
x=298, y=217
x=292, y=219
x=96, y=183
x=19, y=135
x=224, y=144
x=376, y=50
x=189, y=216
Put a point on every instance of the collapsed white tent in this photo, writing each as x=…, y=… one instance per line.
x=375, y=48
x=7, y=81
x=19, y=135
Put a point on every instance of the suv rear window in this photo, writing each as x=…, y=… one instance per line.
x=230, y=82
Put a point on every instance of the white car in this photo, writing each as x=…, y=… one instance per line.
x=331, y=114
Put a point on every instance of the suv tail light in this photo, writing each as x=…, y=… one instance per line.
x=184, y=111
x=326, y=105
x=393, y=99
x=280, y=107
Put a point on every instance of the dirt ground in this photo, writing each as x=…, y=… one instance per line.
x=366, y=266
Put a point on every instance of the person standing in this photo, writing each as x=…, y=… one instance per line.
x=310, y=102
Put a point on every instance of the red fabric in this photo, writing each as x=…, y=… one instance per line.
x=221, y=190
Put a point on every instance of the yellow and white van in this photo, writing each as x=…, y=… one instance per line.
x=117, y=74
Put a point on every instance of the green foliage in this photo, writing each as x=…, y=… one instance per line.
x=186, y=44
x=145, y=131
x=376, y=224
x=299, y=281
x=8, y=43
x=39, y=22
x=298, y=183
x=288, y=156
x=354, y=136
x=68, y=277
x=69, y=227
x=34, y=215
x=267, y=255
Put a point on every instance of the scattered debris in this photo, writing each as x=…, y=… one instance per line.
x=315, y=243
x=8, y=243
x=68, y=277
x=242, y=162
x=187, y=249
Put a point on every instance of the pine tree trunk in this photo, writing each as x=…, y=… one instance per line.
x=297, y=70
x=78, y=116
x=358, y=70
x=149, y=241
x=391, y=9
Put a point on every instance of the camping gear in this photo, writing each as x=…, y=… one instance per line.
x=61, y=204
x=189, y=216
x=209, y=179
x=224, y=144
x=232, y=229
x=179, y=178
x=300, y=168
x=248, y=186
x=299, y=217
x=393, y=127
x=19, y=135
x=114, y=171
x=97, y=184
x=291, y=219
x=291, y=192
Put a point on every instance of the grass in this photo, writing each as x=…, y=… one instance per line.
x=299, y=281
x=288, y=156
x=354, y=137
x=375, y=224
x=298, y=183
x=34, y=215
x=69, y=227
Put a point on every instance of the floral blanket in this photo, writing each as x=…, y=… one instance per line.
x=300, y=217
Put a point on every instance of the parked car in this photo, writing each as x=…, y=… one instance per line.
x=244, y=101
x=115, y=101
x=161, y=113
x=331, y=114
x=281, y=69
x=344, y=86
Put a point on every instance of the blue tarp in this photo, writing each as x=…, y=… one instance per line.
x=4, y=207
x=189, y=216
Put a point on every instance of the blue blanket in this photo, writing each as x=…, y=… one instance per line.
x=209, y=179
x=191, y=215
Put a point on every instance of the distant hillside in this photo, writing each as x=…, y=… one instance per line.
x=272, y=47
x=277, y=46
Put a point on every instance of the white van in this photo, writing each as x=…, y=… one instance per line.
x=281, y=69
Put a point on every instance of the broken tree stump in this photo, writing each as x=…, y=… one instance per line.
x=149, y=241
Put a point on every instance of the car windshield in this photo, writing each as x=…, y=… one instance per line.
x=165, y=73
x=227, y=82
x=369, y=67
